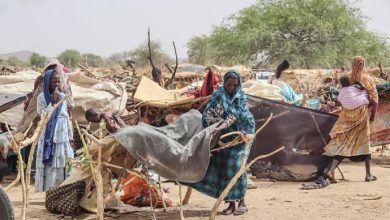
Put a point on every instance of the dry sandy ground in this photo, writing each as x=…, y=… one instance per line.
x=351, y=199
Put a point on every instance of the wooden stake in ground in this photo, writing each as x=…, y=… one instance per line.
x=156, y=73
x=176, y=64
x=181, y=203
x=187, y=196
x=241, y=171
x=28, y=172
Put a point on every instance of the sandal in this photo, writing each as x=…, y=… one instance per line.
x=241, y=210
x=371, y=179
x=229, y=210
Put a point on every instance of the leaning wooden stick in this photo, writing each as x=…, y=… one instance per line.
x=16, y=181
x=232, y=181
x=187, y=196
x=93, y=138
x=99, y=187
x=44, y=119
x=238, y=139
x=97, y=177
x=16, y=148
x=242, y=167
x=28, y=172
x=241, y=171
x=181, y=203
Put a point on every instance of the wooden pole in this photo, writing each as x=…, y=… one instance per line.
x=28, y=172
x=181, y=203
x=97, y=177
x=176, y=64
x=17, y=148
x=187, y=196
x=241, y=171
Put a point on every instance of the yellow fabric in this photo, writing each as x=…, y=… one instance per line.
x=151, y=94
x=358, y=74
x=369, y=83
x=351, y=134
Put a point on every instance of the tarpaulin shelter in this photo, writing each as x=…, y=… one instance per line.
x=303, y=132
x=87, y=93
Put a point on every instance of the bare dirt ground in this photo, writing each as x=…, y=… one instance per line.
x=350, y=199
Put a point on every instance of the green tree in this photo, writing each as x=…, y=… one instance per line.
x=37, y=60
x=141, y=53
x=70, y=58
x=14, y=61
x=309, y=33
x=198, y=50
x=93, y=60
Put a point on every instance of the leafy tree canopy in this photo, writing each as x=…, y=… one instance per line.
x=38, y=60
x=308, y=33
x=92, y=60
x=70, y=58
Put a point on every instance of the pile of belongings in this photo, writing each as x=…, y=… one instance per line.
x=177, y=152
x=263, y=90
x=137, y=192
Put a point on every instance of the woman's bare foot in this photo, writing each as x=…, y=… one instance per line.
x=331, y=177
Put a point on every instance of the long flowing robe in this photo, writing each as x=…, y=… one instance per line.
x=224, y=164
x=52, y=175
x=350, y=136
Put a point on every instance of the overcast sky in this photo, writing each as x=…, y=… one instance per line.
x=107, y=26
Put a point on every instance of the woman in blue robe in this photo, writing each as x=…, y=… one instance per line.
x=228, y=104
x=54, y=147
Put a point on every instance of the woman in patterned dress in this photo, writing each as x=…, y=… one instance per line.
x=54, y=147
x=228, y=104
x=350, y=136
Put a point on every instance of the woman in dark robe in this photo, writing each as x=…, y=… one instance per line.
x=228, y=104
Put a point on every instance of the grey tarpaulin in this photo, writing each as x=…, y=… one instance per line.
x=179, y=151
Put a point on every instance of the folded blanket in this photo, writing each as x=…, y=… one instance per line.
x=351, y=97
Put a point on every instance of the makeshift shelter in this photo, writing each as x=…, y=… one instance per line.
x=87, y=93
x=303, y=132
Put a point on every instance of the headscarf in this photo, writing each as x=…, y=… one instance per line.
x=235, y=104
x=210, y=84
x=358, y=65
x=48, y=146
x=64, y=81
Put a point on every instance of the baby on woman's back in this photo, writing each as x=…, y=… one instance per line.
x=352, y=96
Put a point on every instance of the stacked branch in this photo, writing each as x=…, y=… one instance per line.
x=21, y=142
